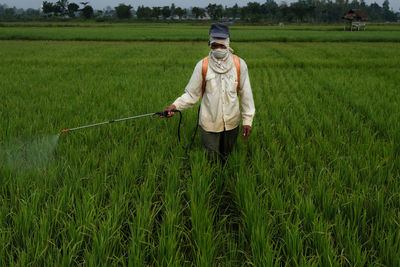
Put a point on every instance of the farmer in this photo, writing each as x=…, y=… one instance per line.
x=220, y=79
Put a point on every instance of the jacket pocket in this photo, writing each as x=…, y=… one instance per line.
x=211, y=84
x=232, y=86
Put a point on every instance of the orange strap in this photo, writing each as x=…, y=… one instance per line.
x=237, y=65
x=204, y=73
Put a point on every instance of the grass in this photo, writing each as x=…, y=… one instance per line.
x=186, y=32
x=316, y=183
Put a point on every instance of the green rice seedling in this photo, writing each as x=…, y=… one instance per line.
x=316, y=183
x=171, y=231
x=142, y=245
x=185, y=32
x=254, y=221
x=201, y=181
x=389, y=248
x=321, y=236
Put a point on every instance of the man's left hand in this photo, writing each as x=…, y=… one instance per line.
x=246, y=131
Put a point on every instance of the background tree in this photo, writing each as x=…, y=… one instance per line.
x=180, y=12
x=31, y=12
x=72, y=8
x=374, y=10
x=198, y=12
x=98, y=14
x=298, y=11
x=214, y=11
x=47, y=7
x=270, y=9
x=234, y=11
x=143, y=12
x=57, y=11
x=172, y=8
x=387, y=15
x=123, y=11
x=87, y=12
x=109, y=12
x=62, y=7
x=166, y=12
x=10, y=12
x=252, y=12
x=156, y=12
x=385, y=5
x=286, y=12
x=301, y=9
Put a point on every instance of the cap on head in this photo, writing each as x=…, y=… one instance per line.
x=219, y=30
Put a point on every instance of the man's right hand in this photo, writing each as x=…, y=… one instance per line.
x=169, y=110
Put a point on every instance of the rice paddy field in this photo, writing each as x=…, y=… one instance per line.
x=188, y=32
x=316, y=183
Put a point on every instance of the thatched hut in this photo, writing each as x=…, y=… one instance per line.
x=356, y=19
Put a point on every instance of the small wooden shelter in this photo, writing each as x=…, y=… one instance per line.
x=356, y=19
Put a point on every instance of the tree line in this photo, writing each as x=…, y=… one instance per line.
x=269, y=11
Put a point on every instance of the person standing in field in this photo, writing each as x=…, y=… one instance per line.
x=219, y=79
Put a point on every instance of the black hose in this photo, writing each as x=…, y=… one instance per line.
x=195, y=131
x=179, y=125
x=164, y=113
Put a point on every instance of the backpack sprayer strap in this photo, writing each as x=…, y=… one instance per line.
x=204, y=73
x=237, y=65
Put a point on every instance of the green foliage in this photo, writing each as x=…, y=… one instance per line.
x=198, y=12
x=186, y=32
x=214, y=11
x=269, y=11
x=156, y=12
x=62, y=6
x=317, y=183
x=87, y=12
x=166, y=12
x=143, y=12
x=123, y=11
x=72, y=8
x=180, y=12
x=47, y=7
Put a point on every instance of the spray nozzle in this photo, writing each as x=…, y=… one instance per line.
x=63, y=131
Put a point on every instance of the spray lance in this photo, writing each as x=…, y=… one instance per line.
x=160, y=113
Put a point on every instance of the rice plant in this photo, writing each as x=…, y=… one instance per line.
x=317, y=183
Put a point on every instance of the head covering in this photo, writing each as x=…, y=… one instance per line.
x=219, y=30
x=219, y=33
x=224, y=42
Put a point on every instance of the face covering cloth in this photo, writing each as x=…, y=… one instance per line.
x=221, y=60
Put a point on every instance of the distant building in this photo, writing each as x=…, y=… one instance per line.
x=355, y=18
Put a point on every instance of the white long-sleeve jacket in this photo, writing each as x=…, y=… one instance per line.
x=219, y=109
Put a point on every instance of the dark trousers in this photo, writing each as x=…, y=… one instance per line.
x=219, y=145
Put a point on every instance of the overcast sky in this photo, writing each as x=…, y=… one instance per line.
x=100, y=4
